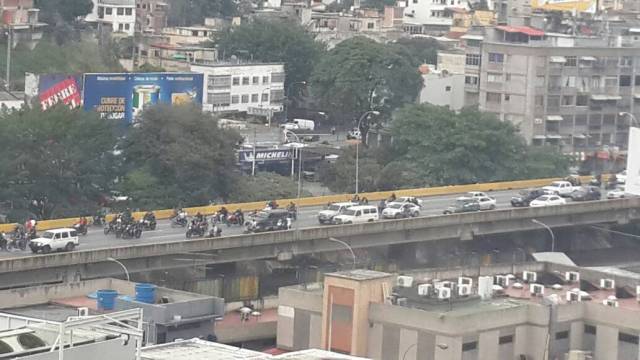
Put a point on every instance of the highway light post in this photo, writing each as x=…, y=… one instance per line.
x=362, y=136
x=553, y=237
x=632, y=118
x=126, y=272
x=353, y=255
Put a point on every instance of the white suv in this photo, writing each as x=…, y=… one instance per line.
x=357, y=215
x=326, y=216
x=55, y=240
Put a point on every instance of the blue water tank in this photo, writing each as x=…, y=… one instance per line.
x=146, y=293
x=106, y=299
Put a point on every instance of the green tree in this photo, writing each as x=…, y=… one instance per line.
x=271, y=41
x=67, y=10
x=360, y=74
x=420, y=50
x=147, y=68
x=178, y=155
x=378, y=4
x=193, y=12
x=340, y=177
x=263, y=187
x=62, y=159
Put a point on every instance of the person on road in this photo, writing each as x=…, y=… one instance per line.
x=381, y=206
x=292, y=210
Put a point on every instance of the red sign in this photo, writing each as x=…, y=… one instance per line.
x=66, y=92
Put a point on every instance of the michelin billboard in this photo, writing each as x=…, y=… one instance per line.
x=122, y=96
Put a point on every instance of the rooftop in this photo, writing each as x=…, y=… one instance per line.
x=360, y=274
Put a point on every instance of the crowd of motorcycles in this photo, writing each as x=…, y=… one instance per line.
x=124, y=226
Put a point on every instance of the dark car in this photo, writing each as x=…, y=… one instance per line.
x=525, y=197
x=463, y=205
x=269, y=220
x=586, y=193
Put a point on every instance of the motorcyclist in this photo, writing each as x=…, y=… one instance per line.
x=392, y=198
x=127, y=217
x=292, y=210
x=3, y=241
x=200, y=217
x=149, y=216
x=239, y=216
x=223, y=214
x=355, y=198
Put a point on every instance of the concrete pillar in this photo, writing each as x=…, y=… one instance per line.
x=315, y=331
x=408, y=345
x=374, y=347
x=575, y=335
x=606, y=342
x=285, y=328
x=448, y=348
x=488, y=345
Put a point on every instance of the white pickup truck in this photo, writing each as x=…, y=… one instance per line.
x=562, y=188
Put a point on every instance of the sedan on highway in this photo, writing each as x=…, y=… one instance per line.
x=487, y=203
x=548, y=200
x=397, y=210
x=474, y=195
x=463, y=205
x=409, y=199
x=525, y=197
x=586, y=193
x=617, y=193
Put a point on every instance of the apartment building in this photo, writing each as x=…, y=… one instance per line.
x=117, y=15
x=242, y=87
x=20, y=17
x=430, y=16
x=559, y=90
x=151, y=16
x=530, y=311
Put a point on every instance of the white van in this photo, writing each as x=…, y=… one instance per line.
x=299, y=124
x=357, y=215
x=55, y=240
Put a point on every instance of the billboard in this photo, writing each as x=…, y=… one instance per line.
x=52, y=89
x=122, y=96
x=246, y=156
x=588, y=6
x=632, y=184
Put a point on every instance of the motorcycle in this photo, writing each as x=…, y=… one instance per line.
x=133, y=230
x=148, y=224
x=179, y=221
x=19, y=240
x=99, y=220
x=215, y=231
x=235, y=219
x=197, y=229
x=80, y=228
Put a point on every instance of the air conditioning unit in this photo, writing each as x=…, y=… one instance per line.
x=444, y=293
x=464, y=290
x=610, y=302
x=441, y=284
x=465, y=281
x=425, y=289
x=573, y=296
x=83, y=311
x=607, y=284
x=502, y=280
x=405, y=281
x=572, y=276
x=536, y=289
x=530, y=276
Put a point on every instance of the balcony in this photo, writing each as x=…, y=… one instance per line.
x=494, y=66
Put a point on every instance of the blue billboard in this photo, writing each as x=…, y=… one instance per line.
x=123, y=96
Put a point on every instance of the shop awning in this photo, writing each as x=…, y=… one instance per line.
x=588, y=58
x=558, y=59
x=554, y=118
x=554, y=136
x=599, y=97
x=472, y=37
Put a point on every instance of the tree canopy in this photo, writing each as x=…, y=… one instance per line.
x=56, y=163
x=177, y=155
x=67, y=10
x=263, y=187
x=360, y=74
x=273, y=41
x=193, y=12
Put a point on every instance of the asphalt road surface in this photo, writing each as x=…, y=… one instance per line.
x=307, y=217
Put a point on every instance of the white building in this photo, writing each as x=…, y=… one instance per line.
x=119, y=15
x=242, y=87
x=424, y=16
x=442, y=88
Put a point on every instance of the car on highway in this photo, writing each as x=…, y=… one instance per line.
x=562, y=188
x=586, y=193
x=621, y=177
x=326, y=216
x=617, y=193
x=525, y=197
x=268, y=220
x=357, y=215
x=473, y=195
x=399, y=210
x=463, y=205
x=548, y=200
x=408, y=199
x=354, y=134
x=55, y=240
x=487, y=203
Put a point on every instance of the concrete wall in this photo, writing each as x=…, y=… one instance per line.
x=104, y=350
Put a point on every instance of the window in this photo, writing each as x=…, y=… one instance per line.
x=265, y=97
x=562, y=335
x=571, y=61
x=245, y=99
x=128, y=11
x=625, y=80
x=245, y=80
x=100, y=12
x=121, y=27
x=447, y=88
x=508, y=77
x=254, y=98
x=470, y=346
x=494, y=97
x=473, y=59
x=611, y=81
x=507, y=97
x=539, y=100
x=471, y=80
x=235, y=99
x=628, y=338
x=370, y=25
x=567, y=100
x=276, y=96
x=507, y=339
x=581, y=120
x=126, y=26
x=218, y=81
x=553, y=102
x=569, y=81
x=120, y=11
x=255, y=80
x=582, y=100
x=496, y=58
x=236, y=81
x=277, y=77
x=626, y=61
x=108, y=11
x=265, y=79
x=415, y=1
x=219, y=99
x=637, y=80
x=65, y=235
x=494, y=77
x=595, y=82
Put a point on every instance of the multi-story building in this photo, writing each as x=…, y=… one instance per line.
x=430, y=16
x=441, y=87
x=242, y=87
x=532, y=311
x=151, y=16
x=558, y=89
x=117, y=15
x=20, y=18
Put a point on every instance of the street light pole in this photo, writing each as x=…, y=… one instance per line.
x=370, y=112
x=286, y=95
x=9, y=47
x=353, y=255
x=553, y=237
x=404, y=355
x=631, y=117
x=126, y=272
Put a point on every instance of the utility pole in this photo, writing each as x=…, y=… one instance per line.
x=9, y=46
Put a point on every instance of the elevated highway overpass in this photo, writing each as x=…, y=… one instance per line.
x=283, y=245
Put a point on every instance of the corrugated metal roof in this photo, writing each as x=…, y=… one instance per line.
x=521, y=29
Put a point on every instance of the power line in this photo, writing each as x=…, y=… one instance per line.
x=616, y=232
